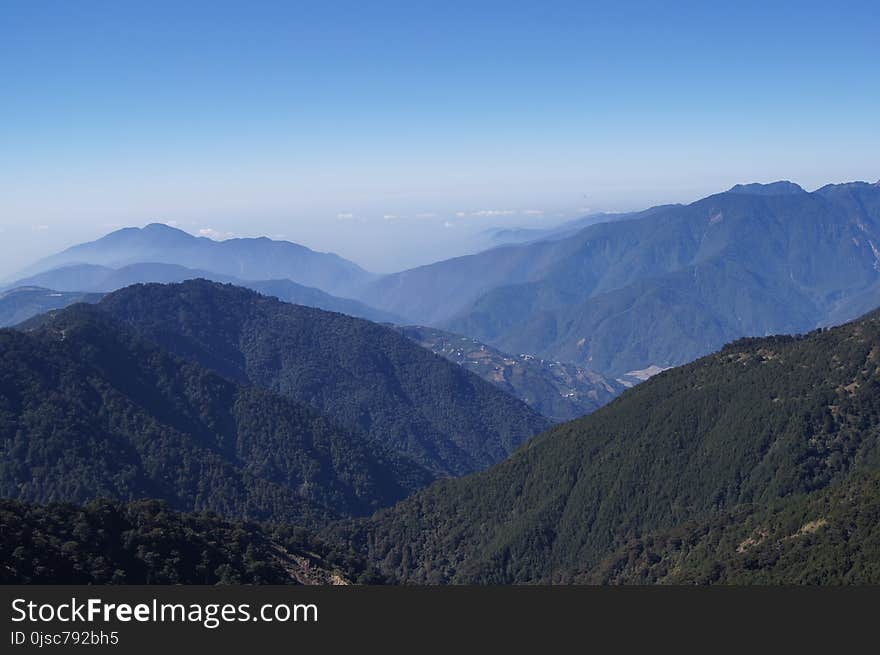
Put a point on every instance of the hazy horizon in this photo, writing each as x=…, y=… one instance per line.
x=464, y=241
x=393, y=135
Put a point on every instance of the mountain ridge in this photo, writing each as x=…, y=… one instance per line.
x=85, y=279
x=780, y=188
x=727, y=266
x=89, y=409
x=258, y=258
x=763, y=420
x=361, y=374
x=610, y=296
x=22, y=303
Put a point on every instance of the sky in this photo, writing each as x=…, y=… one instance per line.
x=396, y=133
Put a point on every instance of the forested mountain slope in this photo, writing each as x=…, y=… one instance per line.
x=761, y=421
x=360, y=374
x=827, y=537
x=89, y=410
x=146, y=542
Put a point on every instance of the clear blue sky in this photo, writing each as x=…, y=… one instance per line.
x=415, y=123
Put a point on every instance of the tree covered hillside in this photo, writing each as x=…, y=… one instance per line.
x=147, y=543
x=827, y=537
x=362, y=375
x=88, y=410
x=762, y=420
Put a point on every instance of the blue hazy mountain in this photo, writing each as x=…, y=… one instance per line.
x=664, y=287
x=502, y=236
x=511, y=235
x=20, y=304
x=249, y=259
x=781, y=188
x=70, y=283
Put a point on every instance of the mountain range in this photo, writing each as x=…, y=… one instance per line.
x=611, y=293
x=84, y=282
x=362, y=375
x=247, y=259
x=542, y=412
x=507, y=236
x=721, y=470
x=757, y=464
x=91, y=410
x=661, y=287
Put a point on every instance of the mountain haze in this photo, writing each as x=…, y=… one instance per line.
x=664, y=286
x=501, y=236
x=92, y=278
x=22, y=303
x=249, y=259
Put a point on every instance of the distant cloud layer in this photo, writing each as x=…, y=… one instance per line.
x=216, y=235
x=494, y=212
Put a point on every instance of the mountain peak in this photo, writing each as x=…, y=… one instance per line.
x=163, y=229
x=242, y=258
x=154, y=233
x=465, y=424
x=161, y=226
x=780, y=188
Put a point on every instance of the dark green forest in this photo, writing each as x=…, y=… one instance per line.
x=362, y=375
x=90, y=410
x=761, y=421
x=145, y=542
x=758, y=464
x=829, y=537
